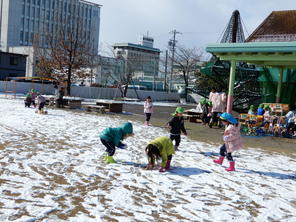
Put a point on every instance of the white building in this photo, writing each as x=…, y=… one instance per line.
x=143, y=57
x=21, y=20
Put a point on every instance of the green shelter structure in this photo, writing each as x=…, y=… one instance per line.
x=271, y=45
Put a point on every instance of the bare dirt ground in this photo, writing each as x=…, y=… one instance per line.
x=199, y=132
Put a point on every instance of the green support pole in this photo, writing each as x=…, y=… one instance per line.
x=279, y=86
x=231, y=86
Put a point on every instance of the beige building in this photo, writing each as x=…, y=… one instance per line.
x=141, y=59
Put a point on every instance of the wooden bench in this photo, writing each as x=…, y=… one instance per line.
x=73, y=103
x=115, y=107
x=192, y=116
x=94, y=108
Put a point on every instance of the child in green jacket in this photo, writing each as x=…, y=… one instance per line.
x=111, y=138
x=160, y=148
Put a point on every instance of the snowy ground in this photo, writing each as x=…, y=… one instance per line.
x=51, y=169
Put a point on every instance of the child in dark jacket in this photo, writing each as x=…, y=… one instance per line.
x=176, y=125
x=205, y=111
x=28, y=100
x=111, y=138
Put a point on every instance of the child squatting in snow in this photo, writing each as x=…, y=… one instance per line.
x=160, y=148
x=111, y=138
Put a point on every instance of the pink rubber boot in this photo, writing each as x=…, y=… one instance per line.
x=219, y=161
x=168, y=165
x=231, y=166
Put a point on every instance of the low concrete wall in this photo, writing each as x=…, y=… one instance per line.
x=87, y=92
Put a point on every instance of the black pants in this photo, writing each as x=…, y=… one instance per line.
x=204, y=118
x=148, y=116
x=223, y=152
x=110, y=147
x=27, y=104
x=41, y=105
x=177, y=139
x=291, y=126
x=215, y=118
x=59, y=103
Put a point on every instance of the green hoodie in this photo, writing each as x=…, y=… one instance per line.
x=165, y=147
x=115, y=135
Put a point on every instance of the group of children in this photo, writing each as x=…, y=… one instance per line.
x=36, y=99
x=279, y=125
x=162, y=148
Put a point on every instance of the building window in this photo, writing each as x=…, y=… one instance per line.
x=13, y=60
x=26, y=36
x=23, y=10
x=47, y=15
x=23, y=22
x=28, y=10
x=96, y=13
x=31, y=37
x=21, y=36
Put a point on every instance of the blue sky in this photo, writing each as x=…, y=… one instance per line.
x=200, y=21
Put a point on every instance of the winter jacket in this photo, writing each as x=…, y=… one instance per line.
x=115, y=135
x=291, y=115
x=148, y=107
x=232, y=138
x=219, y=102
x=28, y=98
x=33, y=95
x=177, y=125
x=41, y=99
x=165, y=147
x=260, y=111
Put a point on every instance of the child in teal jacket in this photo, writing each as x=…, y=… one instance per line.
x=111, y=138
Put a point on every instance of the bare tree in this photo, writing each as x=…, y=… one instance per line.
x=131, y=66
x=185, y=64
x=68, y=49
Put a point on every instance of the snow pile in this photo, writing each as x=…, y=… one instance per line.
x=52, y=170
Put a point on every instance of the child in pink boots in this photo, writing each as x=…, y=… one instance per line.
x=232, y=140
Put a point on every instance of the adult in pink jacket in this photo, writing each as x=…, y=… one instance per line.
x=218, y=99
x=232, y=140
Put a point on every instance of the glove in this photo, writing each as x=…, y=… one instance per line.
x=122, y=146
x=162, y=170
x=225, y=138
x=185, y=133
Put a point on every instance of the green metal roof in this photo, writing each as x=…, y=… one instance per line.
x=275, y=54
x=252, y=47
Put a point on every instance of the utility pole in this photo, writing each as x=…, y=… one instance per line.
x=172, y=43
x=165, y=70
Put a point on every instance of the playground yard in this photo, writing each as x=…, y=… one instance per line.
x=52, y=170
